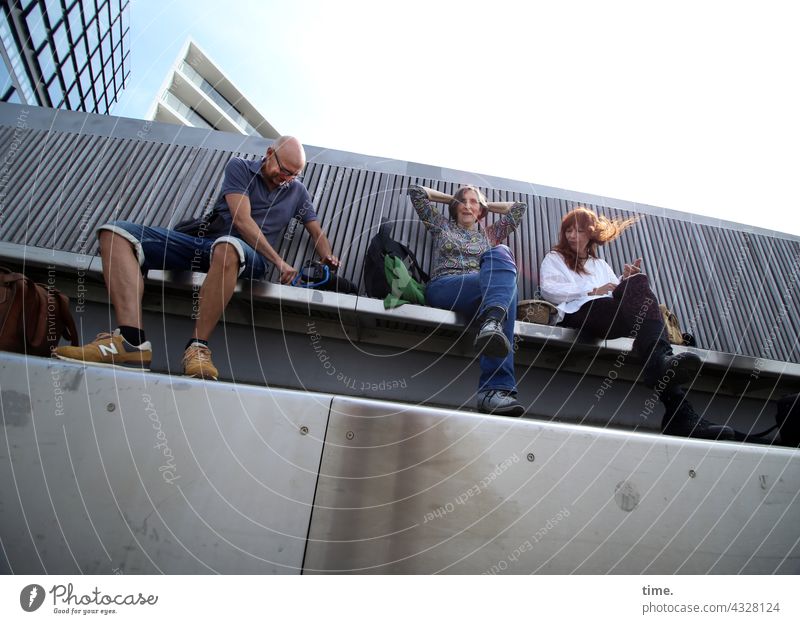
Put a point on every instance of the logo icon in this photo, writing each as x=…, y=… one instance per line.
x=108, y=349
x=31, y=597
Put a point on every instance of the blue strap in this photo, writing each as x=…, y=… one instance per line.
x=325, y=269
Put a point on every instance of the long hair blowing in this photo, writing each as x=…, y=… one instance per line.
x=601, y=230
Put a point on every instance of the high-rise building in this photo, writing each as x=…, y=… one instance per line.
x=64, y=53
x=197, y=93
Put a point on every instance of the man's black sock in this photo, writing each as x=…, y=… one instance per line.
x=132, y=335
x=495, y=312
x=193, y=340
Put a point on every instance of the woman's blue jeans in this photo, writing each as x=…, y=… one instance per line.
x=470, y=294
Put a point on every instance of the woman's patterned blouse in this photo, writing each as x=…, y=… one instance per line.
x=457, y=250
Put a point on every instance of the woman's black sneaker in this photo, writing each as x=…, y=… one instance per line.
x=499, y=402
x=491, y=340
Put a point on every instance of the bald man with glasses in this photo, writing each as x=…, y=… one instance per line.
x=236, y=240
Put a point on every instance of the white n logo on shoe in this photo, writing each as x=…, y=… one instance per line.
x=108, y=350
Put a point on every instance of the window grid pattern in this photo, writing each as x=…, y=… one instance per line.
x=78, y=51
x=16, y=68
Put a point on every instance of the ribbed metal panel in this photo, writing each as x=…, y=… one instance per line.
x=735, y=290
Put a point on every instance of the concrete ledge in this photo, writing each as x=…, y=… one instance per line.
x=739, y=497
x=366, y=314
x=39, y=257
x=409, y=314
x=190, y=460
x=182, y=476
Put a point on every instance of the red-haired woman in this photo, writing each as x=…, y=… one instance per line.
x=592, y=299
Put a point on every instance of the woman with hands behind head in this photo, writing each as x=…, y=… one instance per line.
x=593, y=300
x=474, y=274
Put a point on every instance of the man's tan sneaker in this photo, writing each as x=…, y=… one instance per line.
x=197, y=362
x=109, y=350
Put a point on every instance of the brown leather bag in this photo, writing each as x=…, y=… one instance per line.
x=33, y=317
x=536, y=311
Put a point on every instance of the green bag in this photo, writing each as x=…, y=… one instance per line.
x=404, y=288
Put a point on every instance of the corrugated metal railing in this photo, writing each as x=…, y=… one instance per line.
x=734, y=289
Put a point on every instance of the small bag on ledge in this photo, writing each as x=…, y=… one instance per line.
x=536, y=311
x=676, y=336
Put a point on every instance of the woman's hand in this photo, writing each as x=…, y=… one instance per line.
x=632, y=269
x=602, y=290
x=436, y=196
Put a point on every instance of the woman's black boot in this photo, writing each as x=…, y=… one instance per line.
x=662, y=368
x=680, y=419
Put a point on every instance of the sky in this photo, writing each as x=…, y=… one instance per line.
x=692, y=106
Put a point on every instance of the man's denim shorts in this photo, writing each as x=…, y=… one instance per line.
x=167, y=250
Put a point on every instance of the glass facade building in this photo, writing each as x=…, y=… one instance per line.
x=69, y=54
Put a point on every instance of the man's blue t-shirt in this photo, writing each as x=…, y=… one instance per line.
x=271, y=210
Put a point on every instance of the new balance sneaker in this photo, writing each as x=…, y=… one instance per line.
x=109, y=350
x=197, y=362
x=500, y=402
x=491, y=340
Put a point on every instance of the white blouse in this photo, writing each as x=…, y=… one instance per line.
x=568, y=290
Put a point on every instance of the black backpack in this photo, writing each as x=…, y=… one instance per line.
x=382, y=244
